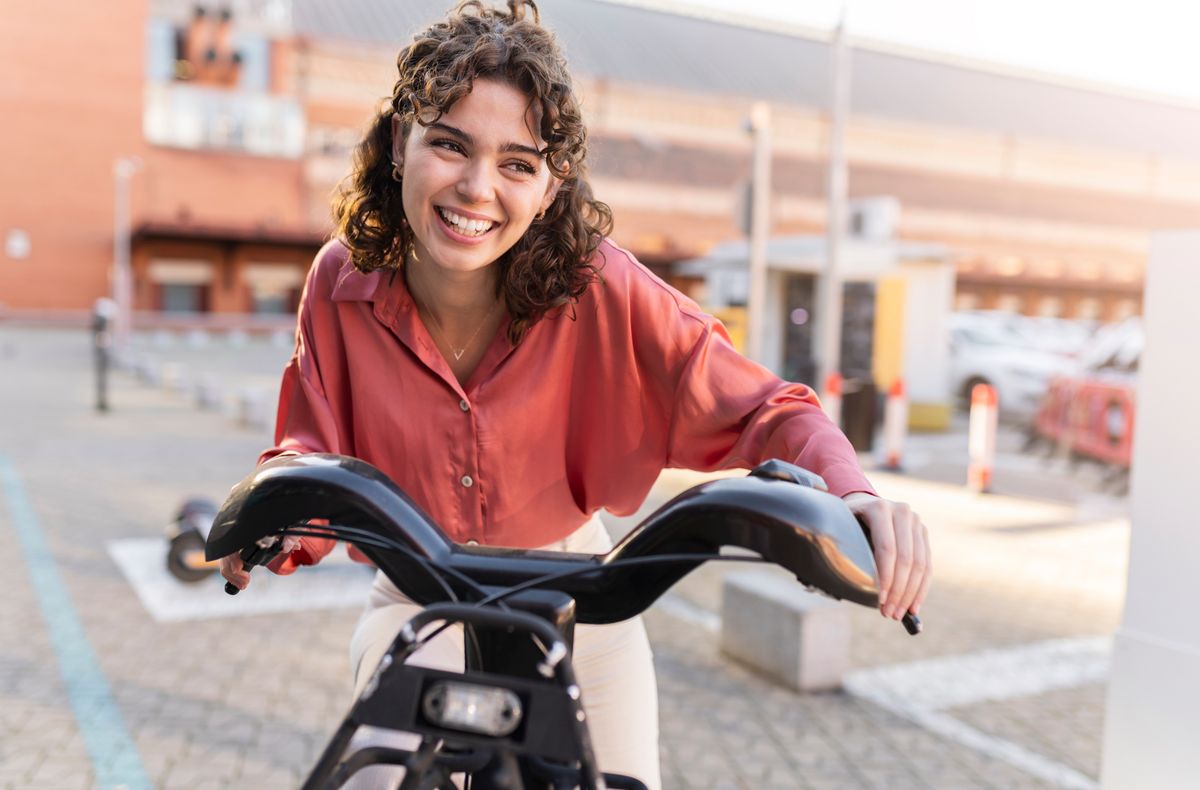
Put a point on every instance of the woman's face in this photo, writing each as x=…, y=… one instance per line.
x=474, y=180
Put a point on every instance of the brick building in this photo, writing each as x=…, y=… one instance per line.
x=242, y=116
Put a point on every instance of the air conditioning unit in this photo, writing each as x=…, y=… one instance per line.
x=873, y=218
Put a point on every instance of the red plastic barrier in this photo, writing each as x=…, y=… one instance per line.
x=1052, y=416
x=1107, y=412
x=1093, y=418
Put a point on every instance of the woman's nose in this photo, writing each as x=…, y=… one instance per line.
x=475, y=184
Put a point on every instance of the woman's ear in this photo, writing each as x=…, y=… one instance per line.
x=551, y=192
x=397, y=141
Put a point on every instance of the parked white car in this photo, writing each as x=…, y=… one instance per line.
x=992, y=348
x=1115, y=351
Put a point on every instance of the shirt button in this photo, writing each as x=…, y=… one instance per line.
x=472, y=543
x=467, y=481
x=462, y=404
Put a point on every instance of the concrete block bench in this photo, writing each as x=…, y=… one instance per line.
x=776, y=627
x=208, y=393
x=254, y=408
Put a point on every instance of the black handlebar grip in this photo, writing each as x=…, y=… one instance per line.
x=251, y=556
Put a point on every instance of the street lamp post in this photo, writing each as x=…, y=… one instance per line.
x=122, y=274
x=829, y=284
x=760, y=229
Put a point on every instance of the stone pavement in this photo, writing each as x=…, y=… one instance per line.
x=1004, y=689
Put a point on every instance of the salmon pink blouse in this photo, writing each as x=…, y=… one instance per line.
x=582, y=415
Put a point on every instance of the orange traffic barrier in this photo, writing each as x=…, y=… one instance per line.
x=1090, y=418
x=831, y=398
x=981, y=441
x=1053, y=415
x=895, y=425
x=1103, y=415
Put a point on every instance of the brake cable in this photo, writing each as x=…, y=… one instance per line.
x=499, y=596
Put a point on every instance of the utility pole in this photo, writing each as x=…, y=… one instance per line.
x=760, y=230
x=122, y=274
x=829, y=283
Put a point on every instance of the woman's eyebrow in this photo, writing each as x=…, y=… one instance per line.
x=518, y=148
x=507, y=148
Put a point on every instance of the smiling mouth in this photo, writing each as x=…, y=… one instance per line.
x=464, y=225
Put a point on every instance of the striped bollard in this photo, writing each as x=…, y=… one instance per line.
x=981, y=444
x=831, y=398
x=895, y=425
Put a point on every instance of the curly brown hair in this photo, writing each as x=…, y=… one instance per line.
x=550, y=265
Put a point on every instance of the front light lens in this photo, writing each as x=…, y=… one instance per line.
x=472, y=708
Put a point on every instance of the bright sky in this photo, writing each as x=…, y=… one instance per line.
x=1146, y=45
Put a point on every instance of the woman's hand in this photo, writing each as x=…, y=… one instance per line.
x=235, y=573
x=902, y=554
x=231, y=569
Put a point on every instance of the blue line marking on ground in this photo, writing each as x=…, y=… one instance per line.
x=114, y=757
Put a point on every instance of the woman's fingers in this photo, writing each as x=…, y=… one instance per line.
x=235, y=572
x=927, y=576
x=877, y=515
x=901, y=548
x=918, y=575
x=902, y=529
x=232, y=570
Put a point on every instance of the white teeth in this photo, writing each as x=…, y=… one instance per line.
x=468, y=227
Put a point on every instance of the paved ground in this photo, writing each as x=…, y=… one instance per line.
x=1004, y=689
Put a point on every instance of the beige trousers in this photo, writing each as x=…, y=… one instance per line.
x=613, y=664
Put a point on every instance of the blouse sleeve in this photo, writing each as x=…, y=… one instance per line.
x=304, y=422
x=730, y=412
x=721, y=410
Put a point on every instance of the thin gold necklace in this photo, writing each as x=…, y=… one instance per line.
x=437, y=325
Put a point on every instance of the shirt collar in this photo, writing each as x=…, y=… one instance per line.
x=354, y=286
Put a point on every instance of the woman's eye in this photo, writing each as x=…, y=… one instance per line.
x=449, y=145
x=523, y=167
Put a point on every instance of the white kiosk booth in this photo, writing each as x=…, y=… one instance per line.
x=898, y=295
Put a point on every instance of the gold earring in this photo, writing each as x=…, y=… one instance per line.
x=397, y=171
x=540, y=215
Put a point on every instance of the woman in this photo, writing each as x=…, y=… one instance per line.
x=472, y=332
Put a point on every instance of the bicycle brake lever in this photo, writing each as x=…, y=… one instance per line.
x=255, y=555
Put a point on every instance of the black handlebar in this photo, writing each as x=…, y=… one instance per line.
x=775, y=512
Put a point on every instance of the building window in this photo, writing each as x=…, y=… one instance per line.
x=1008, y=302
x=180, y=298
x=208, y=86
x=181, y=286
x=1087, y=308
x=270, y=302
x=1050, y=306
x=274, y=287
x=966, y=301
x=1124, y=308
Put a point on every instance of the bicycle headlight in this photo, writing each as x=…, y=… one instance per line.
x=469, y=707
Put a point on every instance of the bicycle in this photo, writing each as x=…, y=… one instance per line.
x=515, y=719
